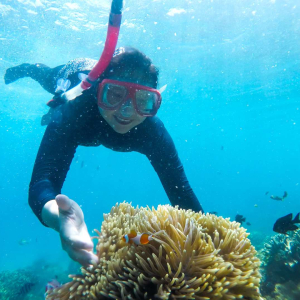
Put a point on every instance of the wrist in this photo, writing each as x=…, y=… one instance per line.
x=50, y=213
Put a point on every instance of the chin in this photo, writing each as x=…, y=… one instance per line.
x=121, y=129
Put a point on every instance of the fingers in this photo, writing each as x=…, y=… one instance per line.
x=63, y=202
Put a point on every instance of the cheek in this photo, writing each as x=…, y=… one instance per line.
x=106, y=114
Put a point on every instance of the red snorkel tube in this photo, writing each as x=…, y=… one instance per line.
x=113, y=30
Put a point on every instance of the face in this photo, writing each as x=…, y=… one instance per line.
x=124, y=118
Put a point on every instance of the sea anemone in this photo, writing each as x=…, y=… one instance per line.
x=191, y=256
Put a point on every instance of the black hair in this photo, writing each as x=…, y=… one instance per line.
x=129, y=62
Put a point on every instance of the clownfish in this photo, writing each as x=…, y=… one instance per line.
x=138, y=239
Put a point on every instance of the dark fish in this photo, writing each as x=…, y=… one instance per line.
x=240, y=218
x=82, y=164
x=248, y=223
x=98, y=168
x=222, y=147
x=276, y=198
x=286, y=223
x=285, y=194
x=25, y=289
x=213, y=213
x=266, y=193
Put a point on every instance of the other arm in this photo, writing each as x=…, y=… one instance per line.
x=164, y=158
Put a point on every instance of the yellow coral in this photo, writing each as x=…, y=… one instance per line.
x=191, y=256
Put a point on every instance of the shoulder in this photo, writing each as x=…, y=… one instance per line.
x=154, y=124
x=76, y=112
x=155, y=130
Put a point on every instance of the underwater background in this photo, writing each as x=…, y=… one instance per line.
x=231, y=106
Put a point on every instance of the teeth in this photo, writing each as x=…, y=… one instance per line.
x=123, y=120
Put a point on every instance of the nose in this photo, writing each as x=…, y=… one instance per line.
x=127, y=109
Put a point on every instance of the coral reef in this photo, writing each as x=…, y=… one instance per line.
x=281, y=264
x=15, y=285
x=258, y=239
x=29, y=283
x=286, y=291
x=191, y=256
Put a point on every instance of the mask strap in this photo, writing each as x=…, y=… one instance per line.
x=163, y=88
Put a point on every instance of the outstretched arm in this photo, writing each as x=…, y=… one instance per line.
x=54, y=210
x=52, y=163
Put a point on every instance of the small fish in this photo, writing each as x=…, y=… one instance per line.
x=138, y=239
x=98, y=168
x=82, y=164
x=266, y=193
x=255, y=205
x=286, y=223
x=248, y=223
x=285, y=194
x=53, y=284
x=222, y=147
x=276, y=198
x=24, y=242
x=240, y=219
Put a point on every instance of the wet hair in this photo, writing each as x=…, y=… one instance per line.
x=130, y=63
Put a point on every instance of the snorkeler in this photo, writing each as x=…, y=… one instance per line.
x=116, y=109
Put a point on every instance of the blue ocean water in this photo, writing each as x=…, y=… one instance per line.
x=231, y=106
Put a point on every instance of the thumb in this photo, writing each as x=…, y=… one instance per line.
x=63, y=202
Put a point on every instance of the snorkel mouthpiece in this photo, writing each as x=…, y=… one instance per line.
x=113, y=30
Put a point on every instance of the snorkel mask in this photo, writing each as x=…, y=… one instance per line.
x=113, y=30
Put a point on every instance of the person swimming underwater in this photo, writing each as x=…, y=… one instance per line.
x=118, y=110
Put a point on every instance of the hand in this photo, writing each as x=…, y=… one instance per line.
x=74, y=235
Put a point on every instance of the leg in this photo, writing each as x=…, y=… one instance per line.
x=44, y=75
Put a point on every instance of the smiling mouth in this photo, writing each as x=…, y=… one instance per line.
x=122, y=121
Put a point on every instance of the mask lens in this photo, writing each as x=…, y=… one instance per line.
x=113, y=95
x=146, y=101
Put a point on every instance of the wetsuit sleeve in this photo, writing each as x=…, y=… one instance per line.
x=164, y=158
x=51, y=165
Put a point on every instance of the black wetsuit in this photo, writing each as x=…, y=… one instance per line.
x=79, y=122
